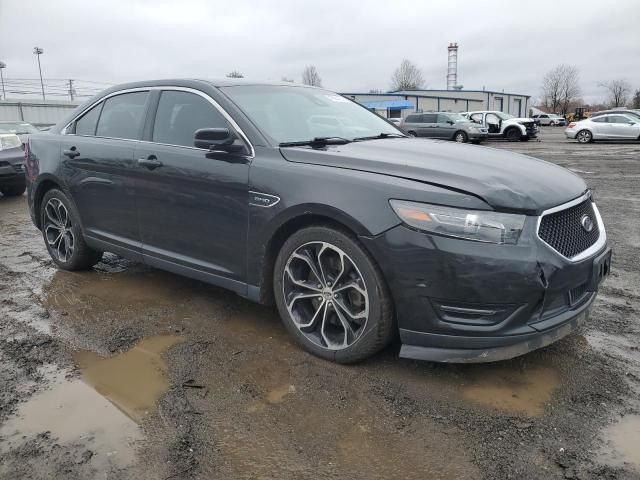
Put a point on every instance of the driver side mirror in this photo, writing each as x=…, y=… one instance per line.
x=450, y=122
x=218, y=140
x=213, y=138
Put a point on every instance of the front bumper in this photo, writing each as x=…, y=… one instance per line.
x=12, y=171
x=462, y=301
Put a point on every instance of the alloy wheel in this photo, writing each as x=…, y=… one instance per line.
x=460, y=137
x=325, y=295
x=584, y=136
x=58, y=230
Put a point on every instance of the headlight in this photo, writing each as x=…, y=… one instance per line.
x=476, y=225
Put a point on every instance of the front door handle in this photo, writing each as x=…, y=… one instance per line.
x=151, y=162
x=71, y=152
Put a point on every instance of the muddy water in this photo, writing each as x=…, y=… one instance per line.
x=133, y=381
x=512, y=390
x=622, y=442
x=73, y=412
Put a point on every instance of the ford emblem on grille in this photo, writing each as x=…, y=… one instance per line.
x=586, y=223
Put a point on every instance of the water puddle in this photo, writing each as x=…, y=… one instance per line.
x=621, y=442
x=512, y=390
x=277, y=395
x=133, y=380
x=73, y=412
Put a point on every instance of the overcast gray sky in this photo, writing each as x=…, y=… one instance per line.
x=355, y=45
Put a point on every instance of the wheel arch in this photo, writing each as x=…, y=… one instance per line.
x=296, y=220
x=40, y=190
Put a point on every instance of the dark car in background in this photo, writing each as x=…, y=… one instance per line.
x=445, y=126
x=12, y=170
x=354, y=230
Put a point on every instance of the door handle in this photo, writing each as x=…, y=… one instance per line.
x=151, y=162
x=71, y=152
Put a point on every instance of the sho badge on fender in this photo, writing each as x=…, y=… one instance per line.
x=265, y=200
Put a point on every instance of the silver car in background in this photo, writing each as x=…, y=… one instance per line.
x=444, y=125
x=605, y=127
x=549, y=119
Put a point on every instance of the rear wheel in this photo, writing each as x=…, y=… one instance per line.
x=412, y=133
x=13, y=190
x=513, y=134
x=63, y=234
x=584, y=136
x=461, y=137
x=331, y=295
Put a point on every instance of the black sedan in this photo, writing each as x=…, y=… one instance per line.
x=299, y=196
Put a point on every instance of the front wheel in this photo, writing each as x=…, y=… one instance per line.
x=513, y=134
x=331, y=295
x=60, y=223
x=584, y=136
x=461, y=137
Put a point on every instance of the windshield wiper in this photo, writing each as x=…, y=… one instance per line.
x=382, y=135
x=317, y=142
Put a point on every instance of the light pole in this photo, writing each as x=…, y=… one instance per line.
x=2, y=67
x=37, y=51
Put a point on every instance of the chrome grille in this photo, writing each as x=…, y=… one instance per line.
x=563, y=230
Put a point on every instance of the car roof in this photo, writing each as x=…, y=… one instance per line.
x=186, y=82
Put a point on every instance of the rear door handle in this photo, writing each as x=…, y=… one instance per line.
x=71, y=152
x=151, y=162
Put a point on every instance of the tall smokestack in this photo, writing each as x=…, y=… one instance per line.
x=452, y=68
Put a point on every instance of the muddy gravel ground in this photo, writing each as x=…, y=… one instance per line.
x=129, y=372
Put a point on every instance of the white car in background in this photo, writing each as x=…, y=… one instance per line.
x=605, y=127
x=503, y=125
x=550, y=119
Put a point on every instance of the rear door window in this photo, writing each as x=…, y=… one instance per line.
x=443, y=118
x=123, y=116
x=413, y=118
x=180, y=114
x=429, y=118
x=87, y=124
x=599, y=119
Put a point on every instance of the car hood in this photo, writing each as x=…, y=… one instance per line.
x=506, y=181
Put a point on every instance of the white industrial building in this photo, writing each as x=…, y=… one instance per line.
x=399, y=104
x=402, y=103
x=36, y=112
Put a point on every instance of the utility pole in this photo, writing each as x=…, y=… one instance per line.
x=71, y=90
x=2, y=67
x=37, y=51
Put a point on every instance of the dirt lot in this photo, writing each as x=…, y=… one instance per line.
x=129, y=372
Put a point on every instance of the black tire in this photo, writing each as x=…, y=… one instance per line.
x=82, y=256
x=584, y=136
x=513, y=134
x=460, y=137
x=13, y=190
x=411, y=133
x=379, y=328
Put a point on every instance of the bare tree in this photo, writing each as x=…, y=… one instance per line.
x=618, y=92
x=407, y=77
x=310, y=76
x=560, y=88
x=635, y=103
x=235, y=74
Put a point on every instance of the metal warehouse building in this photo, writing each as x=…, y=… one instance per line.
x=402, y=103
x=37, y=113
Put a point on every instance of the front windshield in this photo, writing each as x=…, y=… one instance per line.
x=18, y=128
x=504, y=116
x=294, y=114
